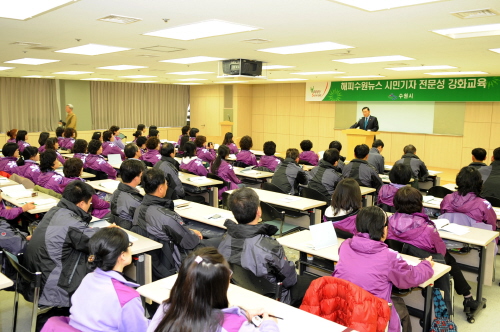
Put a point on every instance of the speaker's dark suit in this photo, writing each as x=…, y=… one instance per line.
x=372, y=124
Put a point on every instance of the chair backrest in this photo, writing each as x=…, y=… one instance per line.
x=387, y=208
x=27, y=183
x=271, y=213
x=21, y=270
x=99, y=175
x=272, y=187
x=148, y=163
x=304, y=162
x=462, y=219
x=247, y=279
x=218, y=178
x=240, y=164
x=493, y=201
x=438, y=191
x=316, y=195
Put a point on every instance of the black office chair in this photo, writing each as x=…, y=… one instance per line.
x=226, y=184
x=316, y=195
x=438, y=191
x=493, y=201
x=148, y=163
x=272, y=187
x=35, y=281
x=260, y=285
x=270, y=215
x=99, y=175
x=387, y=208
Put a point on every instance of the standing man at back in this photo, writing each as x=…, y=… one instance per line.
x=70, y=117
x=367, y=122
x=375, y=158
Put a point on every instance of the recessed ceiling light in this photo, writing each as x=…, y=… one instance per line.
x=421, y=68
x=22, y=10
x=202, y=29
x=73, y=72
x=374, y=5
x=444, y=73
x=192, y=79
x=6, y=68
x=375, y=59
x=233, y=82
x=194, y=59
x=145, y=82
x=119, y=19
x=188, y=83
x=93, y=49
x=362, y=76
x=319, y=73
x=137, y=76
x=289, y=79
x=96, y=79
x=37, y=76
x=31, y=61
x=122, y=67
x=495, y=50
x=306, y=48
x=276, y=67
x=471, y=31
x=189, y=73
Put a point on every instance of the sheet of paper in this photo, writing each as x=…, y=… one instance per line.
x=99, y=224
x=132, y=238
x=289, y=199
x=2, y=179
x=455, y=229
x=110, y=184
x=114, y=159
x=198, y=179
x=323, y=235
x=440, y=223
x=17, y=191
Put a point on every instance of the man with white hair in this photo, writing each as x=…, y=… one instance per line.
x=71, y=117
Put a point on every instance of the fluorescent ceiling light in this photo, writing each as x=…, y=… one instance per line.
x=192, y=79
x=306, y=48
x=37, y=76
x=24, y=9
x=31, y=61
x=122, y=67
x=194, y=59
x=145, y=82
x=6, y=68
x=188, y=83
x=73, y=72
x=362, y=76
x=233, y=82
x=96, y=79
x=289, y=79
x=319, y=73
x=444, y=73
x=137, y=76
x=374, y=59
x=190, y=73
x=276, y=67
x=471, y=31
x=495, y=50
x=202, y=29
x=374, y=5
x=93, y=49
x=421, y=68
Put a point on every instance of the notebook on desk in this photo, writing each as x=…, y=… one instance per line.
x=323, y=236
x=114, y=159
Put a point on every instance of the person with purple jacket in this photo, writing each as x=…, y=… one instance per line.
x=193, y=132
x=180, y=148
x=202, y=309
x=97, y=162
x=59, y=134
x=11, y=213
x=42, y=139
x=12, y=136
x=224, y=170
x=269, y=160
x=245, y=155
x=400, y=175
x=115, y=131
x=141, y=144
x=27, y=164
x=9, y=162
x=467, y=199
x=204, y=152
x=69, y=139
x=228, y=141
x=184, y=131
x=410, y=225
x=53, y=144
x=307, y=155
x=366, y=261
x=346, y=202
x=21, y=138
x=190, y=162
x=49, y=178
x=152, y=155
x=80, y=150
x=109, y=145
x=105, y=300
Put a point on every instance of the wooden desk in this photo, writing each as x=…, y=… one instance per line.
x=67, y=155
x=5, y=182
x=301, y=204
x=210, y=184
x=436, y=204
x=294, y=319
x=41, y=209
x=297, y=240
x=5, y=282
x=252, y=174
x=84, y=175
x=97, y=185
x=201, y=212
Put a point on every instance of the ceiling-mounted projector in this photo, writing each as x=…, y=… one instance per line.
x=242, y=67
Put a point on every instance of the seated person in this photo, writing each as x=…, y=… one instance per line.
x=184, y=132
x=467, y=199
x=176, y=313
x=69, y=139
x=152, y=155
x=366, y=261
x=59, y=134
x=141, y=144
x=21, y=138
x=478, y=158
x=106, y=300
x=49, y=178
x=27, y=164
x=307, y=155
x=204, y=152
x=269, y=160
x=193, y=132
x=249, y=244
x=245, y=155
x=12, y=136
x=224, y=170
x=491, y=176
x=127, y=198
x=168, y=167
x=109, y=146
x=180, y=148
x=97, y=162
x=132, y=152
x=115, y=131
x=337, y=145
x=156, y=212
x=97, y=135
x=53, y=144
x=375, y=158
x=59, y=247
x=42, y=139
x=190, y=162
x=153, y=132
x=410, y=225
x=346, y=202
x=400, y=175
x=289, y=174
x=360, y=170
x=9, y=162
x=228, y=141
x=418, y=167
x=80, y=150
x=168, y=155
x=324, y=177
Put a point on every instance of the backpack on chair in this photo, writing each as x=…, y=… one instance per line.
x=442, y=322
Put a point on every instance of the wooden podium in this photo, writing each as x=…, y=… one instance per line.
x=357, y=137
x=226, y=127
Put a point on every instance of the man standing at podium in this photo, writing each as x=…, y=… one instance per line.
x=367, y=122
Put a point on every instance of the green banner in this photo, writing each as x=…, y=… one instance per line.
x=425, y=89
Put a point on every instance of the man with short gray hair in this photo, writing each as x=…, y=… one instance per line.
x=71, y=117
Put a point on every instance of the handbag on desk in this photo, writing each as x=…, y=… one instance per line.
x=442, y=322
